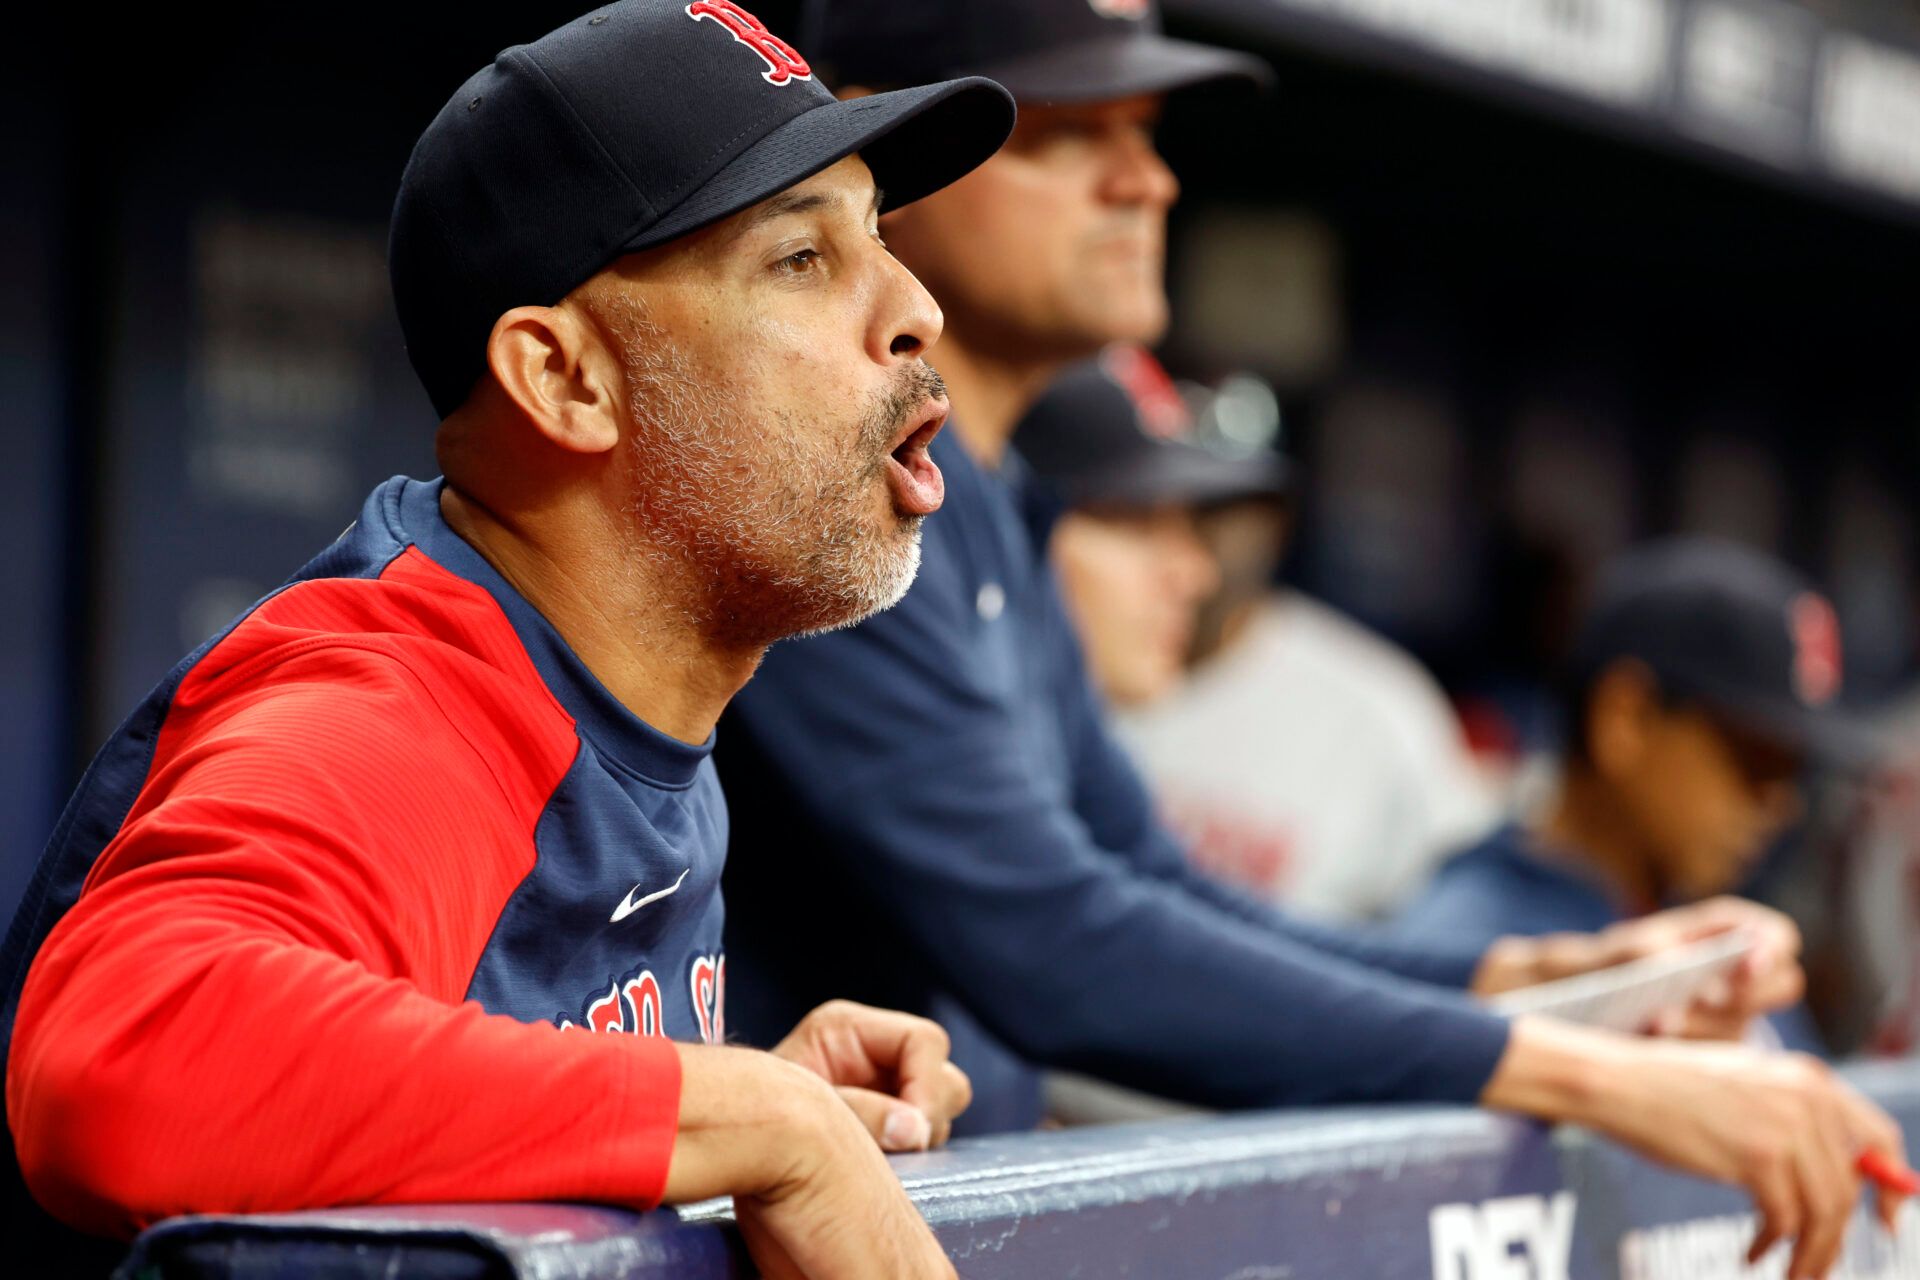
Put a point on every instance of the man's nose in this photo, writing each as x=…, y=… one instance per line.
x=1137, y=174
x=1193, y=570
x=907, y=319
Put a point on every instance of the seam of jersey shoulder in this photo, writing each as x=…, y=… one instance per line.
x=486, y=598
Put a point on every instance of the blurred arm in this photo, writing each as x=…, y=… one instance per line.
x=1077, y=953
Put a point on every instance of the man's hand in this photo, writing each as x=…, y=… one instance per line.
x=812, y=1193
x=890, y=1068
x=1768, y=977
x=1780, y=1125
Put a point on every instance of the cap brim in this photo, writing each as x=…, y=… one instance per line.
x=1830, y=737
x=1122, y=66
x=1185, y=474
x=915, y=141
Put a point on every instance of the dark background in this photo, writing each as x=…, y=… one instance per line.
x=1506, y=342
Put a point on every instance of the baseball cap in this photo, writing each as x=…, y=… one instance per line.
x=1043, y=51
x=1116, y=431
x=1734, y=630
x=624, y=129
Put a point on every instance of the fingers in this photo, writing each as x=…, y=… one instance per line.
x=882, y=1049
x=956, y=1094
x=1830, y=1188
x=1801, y=1167
x=895, y=1125
x=1776, y=1196
x=926, y=1078
x=898, y=1125
x=942, y=1095
x=1871, y=1129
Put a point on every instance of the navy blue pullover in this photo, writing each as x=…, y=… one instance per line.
x=928, y=812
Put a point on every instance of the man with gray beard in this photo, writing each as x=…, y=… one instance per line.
x=406, y=886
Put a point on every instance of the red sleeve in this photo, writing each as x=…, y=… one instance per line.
x=256, y=1003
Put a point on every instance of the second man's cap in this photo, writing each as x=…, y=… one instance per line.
x=1043, y=51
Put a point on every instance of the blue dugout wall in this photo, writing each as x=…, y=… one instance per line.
x=34, y=507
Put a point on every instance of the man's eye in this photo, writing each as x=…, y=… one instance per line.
x=800, y=262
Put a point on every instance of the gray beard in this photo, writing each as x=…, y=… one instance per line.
x=766, y=535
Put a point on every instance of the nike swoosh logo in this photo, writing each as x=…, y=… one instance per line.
x=632, y=905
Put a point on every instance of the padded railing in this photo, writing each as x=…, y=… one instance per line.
x=1347, y=1194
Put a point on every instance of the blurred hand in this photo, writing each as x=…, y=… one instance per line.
x=813, y=1195
x=1768, y=977
x=1780, y=1125
x=890, y=1068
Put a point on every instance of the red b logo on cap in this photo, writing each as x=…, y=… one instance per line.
x=1163, y=413
x=784, y=63
x=1816, y=649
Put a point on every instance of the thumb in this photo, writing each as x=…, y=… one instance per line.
x=895, y=1125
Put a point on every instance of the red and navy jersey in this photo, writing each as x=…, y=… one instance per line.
x=379, y=896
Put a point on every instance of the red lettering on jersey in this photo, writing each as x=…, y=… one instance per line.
x=607, y=1013
x=784, y=63
x=1228, y=844
x=643, y=1004
x=1816, y=649
x=704, y=983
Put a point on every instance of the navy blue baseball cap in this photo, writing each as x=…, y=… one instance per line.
x=1043, y=51
x=627, y=128
x=1733, y=630
x=1116, y=431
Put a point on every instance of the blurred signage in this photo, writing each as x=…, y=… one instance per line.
x=1715, y=1248
x=1613, y=50
x=1529, y=1235
x=1869, y=119
x=286, y=309
x=259, y=390
x=1766, y=81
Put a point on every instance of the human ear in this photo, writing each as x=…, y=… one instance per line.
x=553, y=371
x=1621, y=705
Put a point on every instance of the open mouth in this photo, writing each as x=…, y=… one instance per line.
x=914, y=477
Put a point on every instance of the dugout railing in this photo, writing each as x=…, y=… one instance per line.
x=1345, y=1194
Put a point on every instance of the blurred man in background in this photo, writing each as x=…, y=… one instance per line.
x=938, y=812
x=1301, y=756
x=1702, y=682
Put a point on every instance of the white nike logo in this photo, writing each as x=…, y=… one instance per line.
x=630, y=906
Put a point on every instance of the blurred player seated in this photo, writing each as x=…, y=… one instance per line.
x=405, y=887
x=1703, y=681
x=1301, y=756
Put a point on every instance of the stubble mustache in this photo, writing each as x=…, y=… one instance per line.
x=912, y=387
